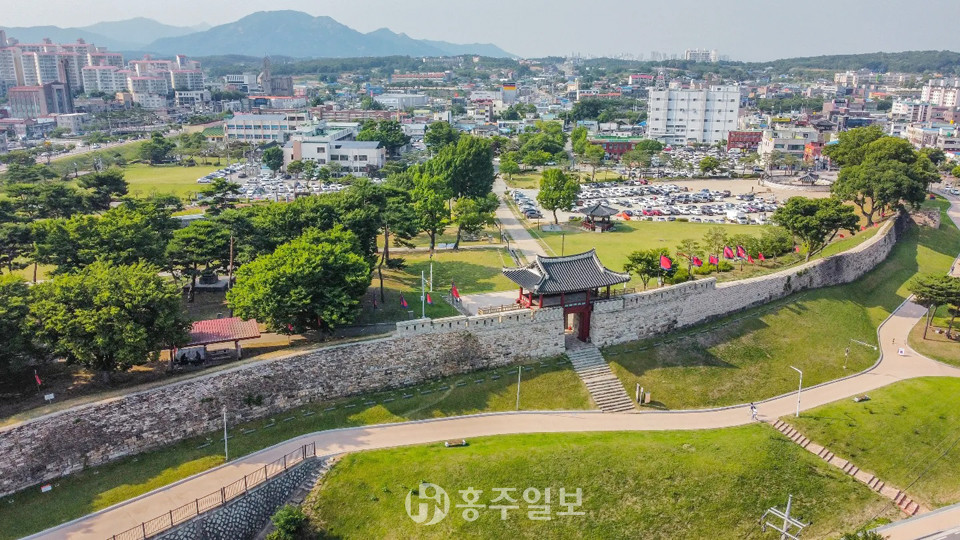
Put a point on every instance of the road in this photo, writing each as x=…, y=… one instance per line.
x=891, y=367
x=521, y=240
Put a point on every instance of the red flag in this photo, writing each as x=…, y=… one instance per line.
x=713, y=260
x=453, y=290
x=697, y=262
x=876, y=224
x=796, y=248
x=842, y=236
x=403, y=301
x=761, y=257
x=727, y=252
x=665, y=263
x=429, y=300
x=750, y=259
x=863, y=227
x=741, y=252
x=37, y=377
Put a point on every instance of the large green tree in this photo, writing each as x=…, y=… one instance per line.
x=273, y=158
x=222, y=194
x=815, y=222
x=466, y=167
x=557, y=191
x=509, y=167
x=440, y=134
x=312, y=283
x=203, y=244
x=388, y=132
x=473, y=214
x=14, y=334
x=645, y=264
x=933, y=291
x=102, y=187
x=108, y=318
x=593, y=155
x=157, y=149
x=430, y=195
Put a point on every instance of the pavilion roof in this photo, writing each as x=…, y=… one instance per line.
x=600, y=210
x=223, y=330
x=554, y=275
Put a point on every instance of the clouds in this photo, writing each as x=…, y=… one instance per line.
x=742, y=29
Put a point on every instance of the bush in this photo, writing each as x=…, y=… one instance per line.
x=680, y=276
x=725, y=266
x=704, y=270
x=683, y=219
x=290, y=522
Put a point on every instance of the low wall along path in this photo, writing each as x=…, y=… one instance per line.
x=67, y=441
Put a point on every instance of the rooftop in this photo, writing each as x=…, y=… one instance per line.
x=222, y=330
x=571, y=273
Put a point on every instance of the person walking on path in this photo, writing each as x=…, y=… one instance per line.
x=753, y=412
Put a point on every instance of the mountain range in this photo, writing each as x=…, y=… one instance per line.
x=286, y=33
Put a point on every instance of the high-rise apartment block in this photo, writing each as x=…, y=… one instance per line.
x=681, y=115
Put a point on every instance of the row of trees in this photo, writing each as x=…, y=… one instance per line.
x=933, y=291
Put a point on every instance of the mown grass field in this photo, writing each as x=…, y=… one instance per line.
x=548, y=385
x=531, y=179
x=473, y=270
x=937, y=345
x=746, y=357
x=165, y=179
x=907, y=434
x=697, y=484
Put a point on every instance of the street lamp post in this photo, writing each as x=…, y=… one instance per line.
x=226, y=451
x=799, y=388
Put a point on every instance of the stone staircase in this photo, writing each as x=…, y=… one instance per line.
x=901, y=499
x=604, y=387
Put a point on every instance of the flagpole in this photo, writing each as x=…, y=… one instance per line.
x=423, y=296
x=431, y=276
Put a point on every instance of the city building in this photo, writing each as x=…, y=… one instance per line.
x=615, y=147
x=941, y=92
x=705, y=115
x=508, y=93
x=917, y=111
x=37, y=101
x=787, y=140
x=73, y=121
x=747, y=141
x=436, y=76
x=330, y=113
x=329, y=142
x=401, y=101
x=701, y=55
x=262, y=128
x=932, y=135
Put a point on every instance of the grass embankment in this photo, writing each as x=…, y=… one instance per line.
x=907, y=434
x=747, y=357
x=547, y=385
x=696, y=484
x=937, y=345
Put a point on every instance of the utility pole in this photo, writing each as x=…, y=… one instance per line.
x=788, y=522
x=798, y=389
x=226, y=450
x=519, y=371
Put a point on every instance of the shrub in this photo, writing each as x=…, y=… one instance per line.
x=725, y=266
x=680, y=276
x=290, y=522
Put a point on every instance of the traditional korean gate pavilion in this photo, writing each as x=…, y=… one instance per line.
x=572, y=282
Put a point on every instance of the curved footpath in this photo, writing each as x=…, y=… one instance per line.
x=891, y=367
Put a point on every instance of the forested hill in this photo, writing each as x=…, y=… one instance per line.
x=908, y=61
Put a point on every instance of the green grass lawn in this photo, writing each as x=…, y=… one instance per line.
x=747, y=357
x=696, y=484
x=166, y=179
x=548, y=385
x=531, y=179
x=907, y=434
x=474, y=271
x=937, y=346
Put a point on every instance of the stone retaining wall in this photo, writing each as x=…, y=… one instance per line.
x=64, y=442
x=244, y=517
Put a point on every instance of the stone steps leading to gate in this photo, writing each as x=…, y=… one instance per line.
x=604, y=387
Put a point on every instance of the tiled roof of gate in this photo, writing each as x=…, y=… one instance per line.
x=553, y=275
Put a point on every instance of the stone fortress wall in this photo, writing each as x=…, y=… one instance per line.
x=70, y=440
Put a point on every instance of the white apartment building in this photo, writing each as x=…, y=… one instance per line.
x=186, y=79
x=148, y=85
x=106, y=79
x=262, y=128
x=701, y=55
x=680, y=115
x=790, y=140
x=150, y=101
x=402, y=101
x=355, y=157
x=31, y=64
x=943, y=93
x=917, y=111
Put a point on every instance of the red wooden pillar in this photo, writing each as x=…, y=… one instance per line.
x=562, y=300
x=520, y=296
x=540, y=304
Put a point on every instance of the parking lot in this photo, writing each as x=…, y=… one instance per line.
x=708, y=201
x=265, y=185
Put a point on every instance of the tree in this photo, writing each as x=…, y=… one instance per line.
x=440, y=134
x=296, y=167
x=103, y=187
x=509, y=167
x=108, y=318
x=156, y=150
x=955, y=171
x=933, y=291
x=593, y=155
x=636, y=158
x=687, y=249
x=312, y=283
x=201, y=243
x=388, y=132
x=289, y=522
x=578, y=140
x=222, y=194
x=557, y=191
x=466, y=167
x=709, y=164
x=645, y=264
x=367, y=103
x=851, y=145
x=273, y=158
x=473, y=214
x=14, y=334
x=889, y=173
x=935, y=155
x=815, y=221
x=430, y=195
x=536, y=158
x=714, y=240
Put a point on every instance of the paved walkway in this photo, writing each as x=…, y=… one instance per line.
x=890, y=368
x=520, y=238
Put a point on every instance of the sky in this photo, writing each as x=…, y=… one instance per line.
x=746, y=30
